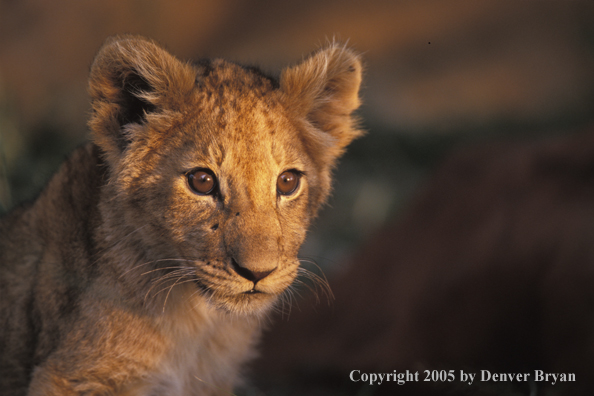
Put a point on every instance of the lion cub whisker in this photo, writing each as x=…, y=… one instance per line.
x=153, y=262
x=170, y=276
x=287, y=299
x=319, y=284
x=167, y=268
x=177, y=282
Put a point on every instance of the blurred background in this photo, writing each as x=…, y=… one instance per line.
x=461, y=229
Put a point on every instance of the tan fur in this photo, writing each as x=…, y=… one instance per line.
x=121, y=280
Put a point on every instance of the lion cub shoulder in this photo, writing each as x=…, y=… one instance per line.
x=145, y=264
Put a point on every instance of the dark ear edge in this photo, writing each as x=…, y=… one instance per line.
x=130, y=78
x=133, y=103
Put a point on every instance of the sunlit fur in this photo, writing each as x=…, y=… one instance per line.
x=120, y=278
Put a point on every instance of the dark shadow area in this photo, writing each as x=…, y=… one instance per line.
x=490, y=269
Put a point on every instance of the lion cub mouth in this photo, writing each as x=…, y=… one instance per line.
x=239, y=297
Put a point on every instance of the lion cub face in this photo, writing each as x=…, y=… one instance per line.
x=216, y=168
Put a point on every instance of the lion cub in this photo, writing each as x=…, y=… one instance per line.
x=144, y=266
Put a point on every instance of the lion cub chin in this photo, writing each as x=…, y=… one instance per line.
x=146, y=264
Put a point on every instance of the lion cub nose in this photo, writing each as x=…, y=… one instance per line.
x=253, y=276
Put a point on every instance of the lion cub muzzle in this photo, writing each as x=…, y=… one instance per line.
x=254, y=254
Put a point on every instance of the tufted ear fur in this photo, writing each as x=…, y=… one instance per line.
x=325, y=90
x=130, y=78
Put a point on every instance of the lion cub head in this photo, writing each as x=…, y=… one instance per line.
x=216, y=168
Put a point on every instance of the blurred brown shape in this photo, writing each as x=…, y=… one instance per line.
x=486, y=59
x=492, y=268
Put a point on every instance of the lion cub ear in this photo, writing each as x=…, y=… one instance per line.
x=132, y=78
x=324, y=89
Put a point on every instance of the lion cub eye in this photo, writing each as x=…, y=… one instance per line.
x=202, y=181
x=287, y=182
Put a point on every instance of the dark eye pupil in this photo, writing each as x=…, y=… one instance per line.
x=287, y=183
x=202, y=182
